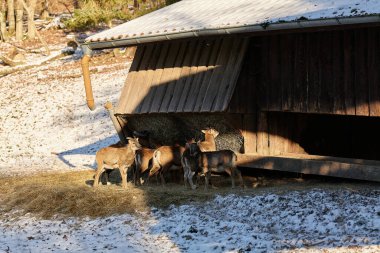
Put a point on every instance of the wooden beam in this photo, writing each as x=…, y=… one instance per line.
x=116, y=124
x=249, y=133
x=313, y=165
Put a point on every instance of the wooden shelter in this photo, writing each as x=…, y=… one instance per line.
x=301, y=91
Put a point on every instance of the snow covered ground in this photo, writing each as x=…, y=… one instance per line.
x=44, y=119
x=312, y=221
x=46, y=125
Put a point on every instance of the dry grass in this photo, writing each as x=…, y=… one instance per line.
x=71, y=193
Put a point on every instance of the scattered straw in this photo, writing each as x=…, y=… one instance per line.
x=71, y=193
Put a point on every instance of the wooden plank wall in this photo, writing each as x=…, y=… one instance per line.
x=270, y=133
x=196, y=75
x=279, y=133
x=332, y=72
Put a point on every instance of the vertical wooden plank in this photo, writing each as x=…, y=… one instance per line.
x=286, y=80
x=337, y=70
x=190, y=77
x=249, y=133
x=156, y=79
x=284, y=125
x=272, y=130
x=304, y=78
x=262, y=134
x=244, y=98
x=238, y=102
x=281, y=137
x=299, y=125
x=134, y=96
x=211, y=65
x=374, y=71
x=348, y=75
x=162, y=85
x=217, y=75
x=314, y=72
x=296, y=96
x=300, y=75
x=262, y=99
x=361, y=67
x=130, y=79
x=326, y=99
x=234, y=106
x=291, y=132
x=249, y=104
x=184, y=75
x=173, y=77
x=276, y=132
x=145, y=89
x=198, y=78
x=274, y=84
x=234, y=66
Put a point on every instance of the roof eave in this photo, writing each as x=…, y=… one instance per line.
x=233, y=30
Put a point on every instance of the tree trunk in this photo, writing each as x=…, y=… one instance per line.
x=11, y=16
x=31, y=14
x=136, y=4
x=3, y=28
x=31, y=26
x=153, y=3
x=19, y=20
x=45, y=10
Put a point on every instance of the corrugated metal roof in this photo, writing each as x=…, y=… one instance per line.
x=189, y=18
x=183, y=76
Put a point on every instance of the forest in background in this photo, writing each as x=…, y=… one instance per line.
x=18, y=17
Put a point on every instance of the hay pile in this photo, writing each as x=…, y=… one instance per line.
x=71, y=194
x=171, y=129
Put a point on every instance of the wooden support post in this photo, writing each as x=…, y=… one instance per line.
x=115, y=122
x=316, y=165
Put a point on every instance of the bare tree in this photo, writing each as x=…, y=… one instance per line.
x=45, y=10
x=67, y=6
x=19, y=22
x=3, y=28
x=11, y=16
x=135, y=4
x=30, y=10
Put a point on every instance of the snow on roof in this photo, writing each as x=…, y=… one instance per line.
x=189, y=17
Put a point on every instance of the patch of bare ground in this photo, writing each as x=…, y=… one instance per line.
x=71, y=193
x=51, y=37
x=58, y=6
x=102, y=62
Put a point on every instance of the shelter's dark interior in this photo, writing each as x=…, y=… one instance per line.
x=337, y=135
